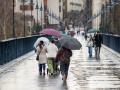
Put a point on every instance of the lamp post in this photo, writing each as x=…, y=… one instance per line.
x=59, y=10
x=13, y=20
x=31, y=5
x=24, y=16
x=41, y=9
x=37, y=7
x=50, y=15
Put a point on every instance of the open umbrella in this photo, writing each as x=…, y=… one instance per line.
x=70, y=43
x=50, y=31
x=92, y=30
x=64, y=35
x=44, y=39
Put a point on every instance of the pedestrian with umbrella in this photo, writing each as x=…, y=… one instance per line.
x=44, y=39
x=63, y=56
x=65, y=52
x=41, y=51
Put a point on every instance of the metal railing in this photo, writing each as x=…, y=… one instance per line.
x=14, y=48
x=112, y=41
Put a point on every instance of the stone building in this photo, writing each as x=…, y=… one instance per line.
x=110, y=21
x=86, y=14
x=72, y=11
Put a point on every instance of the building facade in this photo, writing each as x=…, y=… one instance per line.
x=86, y=14
x=110, y=21
x=74, y=5
x=54, y=11
x=95, y=10
x=71, y=11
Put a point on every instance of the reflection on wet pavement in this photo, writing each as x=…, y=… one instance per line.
x=92, y=74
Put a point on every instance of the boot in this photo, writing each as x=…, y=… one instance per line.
x=43, y=72
x=64, y=78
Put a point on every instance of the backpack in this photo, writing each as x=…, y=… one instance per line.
x=64, y=55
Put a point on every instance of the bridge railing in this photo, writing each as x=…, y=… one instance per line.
x=112, y=41
x=11, y=49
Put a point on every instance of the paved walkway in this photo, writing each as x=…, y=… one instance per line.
x=85, y=73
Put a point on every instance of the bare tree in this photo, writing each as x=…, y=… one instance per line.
x=5, y=18
x=6, y=21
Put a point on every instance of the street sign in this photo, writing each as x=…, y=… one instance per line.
x=26, y=7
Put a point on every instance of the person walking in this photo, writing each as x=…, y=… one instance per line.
x=90, y=45
x=51, y=54
x=63, y=56
x=98, y=40
x=41, y=52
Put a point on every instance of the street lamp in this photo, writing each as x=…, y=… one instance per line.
x=31, y=5
x=50, y=13
x=13, y=20
x=41, y=9
x=59, y=9
x=37, y=7
x=24, y=15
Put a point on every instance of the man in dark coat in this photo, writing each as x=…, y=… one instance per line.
x=98, y=40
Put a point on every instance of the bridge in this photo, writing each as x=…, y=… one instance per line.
x=18, y=67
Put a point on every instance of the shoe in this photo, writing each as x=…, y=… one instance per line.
x=64, y=78
x=44, y=73
x=51, y=74
x=47, y=71
x=40, y=73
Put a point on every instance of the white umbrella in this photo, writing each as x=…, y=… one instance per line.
x=44, y=39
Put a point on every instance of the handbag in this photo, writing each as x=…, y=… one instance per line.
x=89, y=44
x=37, y=57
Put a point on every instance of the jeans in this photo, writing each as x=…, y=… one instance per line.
x=97, y=52
x=41, y=67
x=90, y=51
x=64, y=68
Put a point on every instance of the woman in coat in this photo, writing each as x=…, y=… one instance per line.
x=41, y=52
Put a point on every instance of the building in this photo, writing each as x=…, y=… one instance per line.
x=74, y=5
x=97, y=4
x=71, y=11
x=55, y=11
x=106, y=15
x=6, y=19
x=24, y=12
x=86, y=14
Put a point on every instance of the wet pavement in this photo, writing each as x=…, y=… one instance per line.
x=85, y=73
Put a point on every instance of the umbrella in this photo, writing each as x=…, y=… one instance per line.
x=44, y=39
x=92, y=30
x=49, y=31
x=70, y=43
x=64, y=35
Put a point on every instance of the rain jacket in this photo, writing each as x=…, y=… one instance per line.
x=64, y=55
